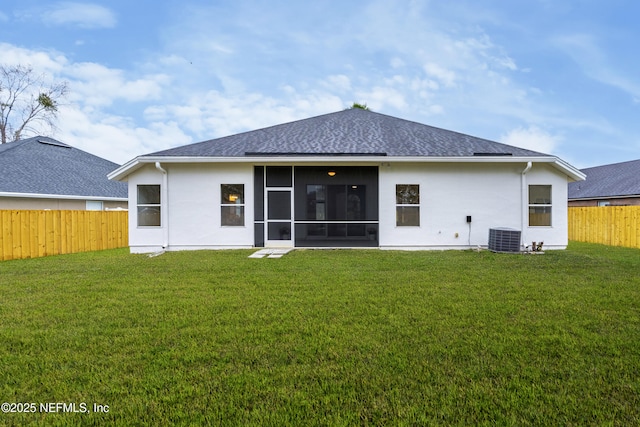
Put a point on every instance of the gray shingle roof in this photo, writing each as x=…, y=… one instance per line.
x=614, y=180
x=42, y=165
x=349, y=132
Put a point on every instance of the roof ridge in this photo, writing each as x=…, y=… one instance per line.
x=612, y=164
x=311, y=123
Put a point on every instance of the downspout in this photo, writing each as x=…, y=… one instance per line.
x=524, y=201
x=165, y=205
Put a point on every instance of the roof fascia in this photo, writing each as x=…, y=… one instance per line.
x=61, y=196
x=573, y=173
x=624, y=196
x=122, y=172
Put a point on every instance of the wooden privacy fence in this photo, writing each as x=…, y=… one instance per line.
x=31, y=234
x=609, y=225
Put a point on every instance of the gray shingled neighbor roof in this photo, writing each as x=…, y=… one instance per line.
x=348, y=132
x=614, y=180
x=42, y=165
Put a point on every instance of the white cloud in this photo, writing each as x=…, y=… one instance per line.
x=436, y=109
x=216, y=114
x=532, y=138
x=96, y=85
x=116, y=138
x=43, y=61
x=446, y=77
x=397, y=63
x=379, y=96
x=340, y=83
x=584, y=49
x=82, y=15
x=221, y=70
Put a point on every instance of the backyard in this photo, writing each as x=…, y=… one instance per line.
x=322, y=337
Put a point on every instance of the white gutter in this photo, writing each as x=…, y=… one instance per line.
x=579, y=199
x=61, y=196
x=122, y=172
x=524, y=201
x=164, y=205
x=572, y=172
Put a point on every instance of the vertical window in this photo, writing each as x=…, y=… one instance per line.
x=539, y=205
x=149, y=206
x=232, y=204
x=407, y=205
x=94, y=205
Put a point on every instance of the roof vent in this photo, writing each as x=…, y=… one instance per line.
x=54, y=143
x=504, y=240
x=482, y=154
x=295, y=153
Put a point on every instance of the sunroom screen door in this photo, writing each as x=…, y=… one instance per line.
x=279, y=227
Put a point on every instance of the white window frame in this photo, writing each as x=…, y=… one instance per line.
x=94, y=205
x=238, y=205
x=541, y=204
x=407, y=205
x=149, y=205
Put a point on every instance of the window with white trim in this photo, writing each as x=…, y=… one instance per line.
x=94, y=205
x=232, y=204
x=540, y=206
x=149, y=206
x=407, y=205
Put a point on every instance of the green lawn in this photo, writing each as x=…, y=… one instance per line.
x=325, y=337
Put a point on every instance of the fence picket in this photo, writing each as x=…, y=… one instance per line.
x=30, y=234
x=608, y=225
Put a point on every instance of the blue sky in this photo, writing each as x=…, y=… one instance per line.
x=561, y=77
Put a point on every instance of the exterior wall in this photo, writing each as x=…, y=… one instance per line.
x=24, y=203
x=490, y=193
x=623, y=201
x=494, y=195
x=145, y=239
x=557, y=235
x=193, y=208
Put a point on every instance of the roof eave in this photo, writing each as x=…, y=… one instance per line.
x=573, y=173
x=122, y=172
x=623, y=196
x=62, y=196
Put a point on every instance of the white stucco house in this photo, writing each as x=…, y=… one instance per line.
x=353, y=178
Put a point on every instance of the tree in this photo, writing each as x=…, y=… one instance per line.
x=27, y=102
x=359, y=106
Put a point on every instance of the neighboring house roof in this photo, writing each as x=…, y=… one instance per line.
x=45, y=167
x=352, y=134
x=608, y=181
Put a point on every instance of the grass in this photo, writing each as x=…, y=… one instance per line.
x=330, y=337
